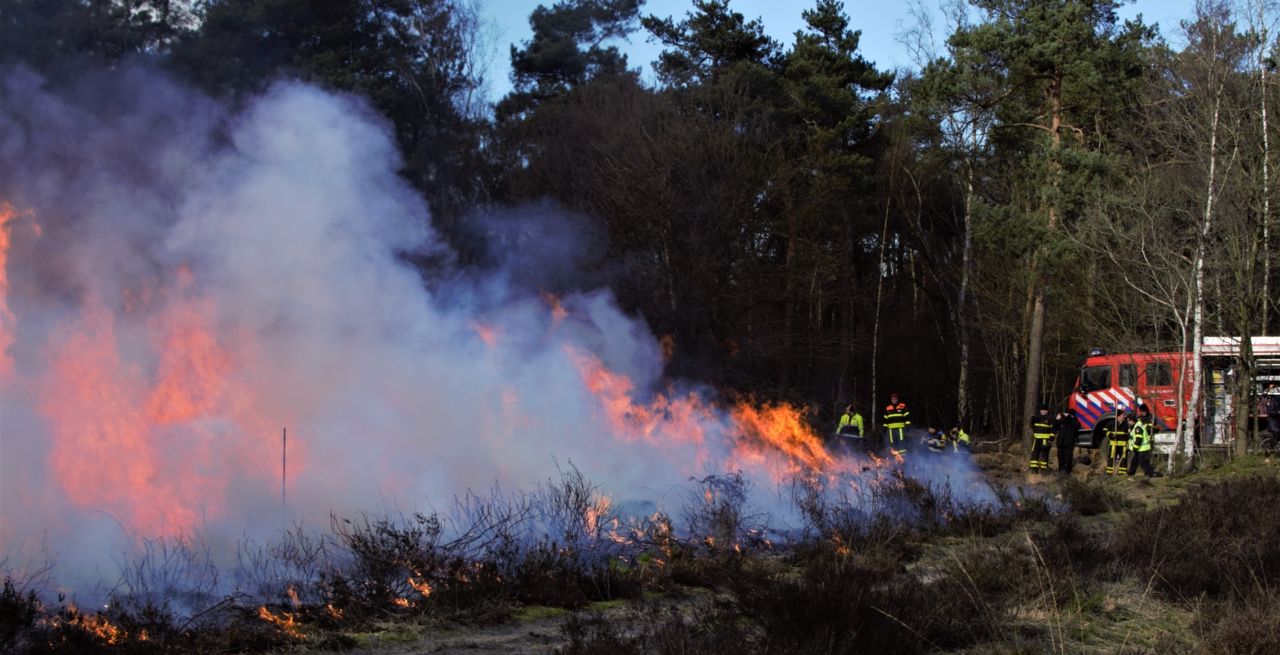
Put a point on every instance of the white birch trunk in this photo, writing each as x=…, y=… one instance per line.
x=1266, y=178
x=1197, y=320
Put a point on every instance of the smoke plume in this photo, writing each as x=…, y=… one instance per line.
x=183, y=280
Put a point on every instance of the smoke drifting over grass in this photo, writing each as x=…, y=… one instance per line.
x=186, y=279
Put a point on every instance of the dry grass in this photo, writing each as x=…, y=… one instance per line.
x=1183, y=564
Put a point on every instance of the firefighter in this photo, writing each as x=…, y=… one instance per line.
x=1117, y=441
x=1041, y=437
x=1066, y=428
x=959, y=439
x=850, y=429
x=896, y=419
x=1140, y=444
x=1273, y=411
x=851, y=423
x=935, y=440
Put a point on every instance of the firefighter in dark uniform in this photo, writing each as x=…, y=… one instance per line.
x=1140, y=444
x=1117, y=440
x=1066, y=429
x=896, y=419
x=1041, y=437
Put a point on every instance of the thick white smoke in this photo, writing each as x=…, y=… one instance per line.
x=155, y=216
x=282, y=223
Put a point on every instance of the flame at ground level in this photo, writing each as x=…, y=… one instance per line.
x=773, y=439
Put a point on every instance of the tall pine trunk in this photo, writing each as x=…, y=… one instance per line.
x=962, y=316
x=1035, y=339
x=788, y=270
x=875, y=327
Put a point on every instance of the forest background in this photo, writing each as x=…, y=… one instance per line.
x=793, y=221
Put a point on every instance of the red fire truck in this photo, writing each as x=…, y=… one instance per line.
x=1111, y=381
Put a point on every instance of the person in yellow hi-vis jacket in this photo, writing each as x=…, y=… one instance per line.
x=1140, y=444
x=959, y=440
x=851, y=423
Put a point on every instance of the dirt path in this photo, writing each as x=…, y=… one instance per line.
x=541, y=635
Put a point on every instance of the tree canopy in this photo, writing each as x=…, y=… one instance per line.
x=801, y=222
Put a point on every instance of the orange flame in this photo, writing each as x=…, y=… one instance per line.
x=773, y=438
x=285, y=622
x=401, y=602
x=421, y=587
x=779, y=429
x=682, y=419
x=99, y=627
x=594, y=513
x=137, y=443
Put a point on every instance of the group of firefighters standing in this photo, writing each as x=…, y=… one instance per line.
x=896, y=420
x=1128, y=441
x=1129, y=437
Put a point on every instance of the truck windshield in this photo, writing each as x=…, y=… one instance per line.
x=1093, y=378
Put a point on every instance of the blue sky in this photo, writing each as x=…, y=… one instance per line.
x=881, y=22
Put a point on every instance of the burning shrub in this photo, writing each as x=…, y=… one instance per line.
x=406, y=565
x=558, y=546
x=1221, y=541
x=291, y=571
x=73, y=631
x=718, y=516
x=574, y=512
x=381, y=556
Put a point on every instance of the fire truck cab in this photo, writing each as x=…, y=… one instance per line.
x=1108, y=382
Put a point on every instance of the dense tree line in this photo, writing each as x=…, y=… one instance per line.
x=802, y=223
